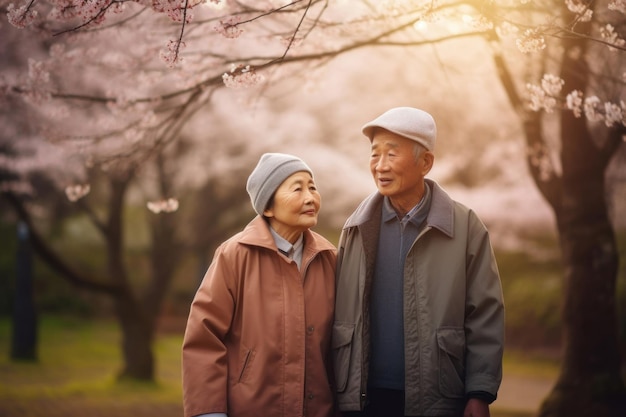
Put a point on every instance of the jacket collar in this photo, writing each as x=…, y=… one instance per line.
x=440, y=215
x=257, y=233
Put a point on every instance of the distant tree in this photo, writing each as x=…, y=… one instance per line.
x=137, y=298
x=574, y=49
x=34, y=171
x=574, y=185
x=24, y=323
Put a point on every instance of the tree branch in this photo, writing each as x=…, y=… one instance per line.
x=51, y=258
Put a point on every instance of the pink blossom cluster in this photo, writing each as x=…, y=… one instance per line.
x=611, y=113
x=552, y=84
x=614, y=114
x=22, y=16
x=531, y=41
x=618, y=6
x=546, y=97
x=242, y=77
x=38, y=81
x=92, y=12
x=166, y=205
x=576, y=6
x=574, y=102
x=76, y=192
x=539, y=99
x=593, y=108
x=171, y=54
x=610, y=36
x=229, y=28
x=177, y=10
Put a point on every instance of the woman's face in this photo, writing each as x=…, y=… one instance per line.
x=295, y=206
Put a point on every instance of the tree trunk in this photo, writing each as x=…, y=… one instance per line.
x=137, y=329
x=136, y=315
x=590, y=383
x=24, y=340
x=164, y=254
x=137, y=338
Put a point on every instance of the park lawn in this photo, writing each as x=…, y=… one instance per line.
x=75, y=374
x=531, y=363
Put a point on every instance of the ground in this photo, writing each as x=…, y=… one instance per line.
x=519, y=396
x=522, y=393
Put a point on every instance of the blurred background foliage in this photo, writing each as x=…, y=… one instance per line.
x=481, y=130
x=78, y=341
x=531, y=278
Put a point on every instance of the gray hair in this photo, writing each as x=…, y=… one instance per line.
x=418, y=151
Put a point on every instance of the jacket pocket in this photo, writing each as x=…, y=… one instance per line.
x=246, y=362
x=342, y=352
x=451, y=343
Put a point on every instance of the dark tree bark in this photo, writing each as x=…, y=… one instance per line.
x=137, y=337
x=135, y=314
x=134, y=322
x=24, y=340
x=138, y=307
x=590, y=383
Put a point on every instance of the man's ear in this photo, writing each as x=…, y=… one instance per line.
x=429, y=160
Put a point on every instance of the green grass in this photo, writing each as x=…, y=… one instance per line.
x=79, y=358
x=75, y=374
x=509, y=413
x=76, y=367
x=532, y=284
x=530, y=364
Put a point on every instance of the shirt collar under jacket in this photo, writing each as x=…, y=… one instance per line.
x=440, y=213
x=292, y=251
x=257, y=233
x=416, y=215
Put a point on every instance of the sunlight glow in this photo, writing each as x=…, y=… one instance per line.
x=420, y=26
x=454, y=26
x=215, y=4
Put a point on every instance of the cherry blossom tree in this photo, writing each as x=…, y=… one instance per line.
x=147, y=67
x=571, y=177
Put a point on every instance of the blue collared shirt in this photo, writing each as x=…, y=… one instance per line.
x=397, y=235
x=291, y=251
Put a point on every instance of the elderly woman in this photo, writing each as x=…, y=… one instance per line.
x=258, y=335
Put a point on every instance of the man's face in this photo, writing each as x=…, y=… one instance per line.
x=398, y=173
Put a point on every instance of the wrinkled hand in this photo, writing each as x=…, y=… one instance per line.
x=476, y=408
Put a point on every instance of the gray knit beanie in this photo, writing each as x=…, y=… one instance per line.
x=411, y=123
x=270, y=172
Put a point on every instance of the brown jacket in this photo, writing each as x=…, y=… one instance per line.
x=257, y=341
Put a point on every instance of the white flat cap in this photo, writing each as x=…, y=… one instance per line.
x=409, y=122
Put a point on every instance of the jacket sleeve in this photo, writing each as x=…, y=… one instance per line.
x=204, y=360
x=484, y=312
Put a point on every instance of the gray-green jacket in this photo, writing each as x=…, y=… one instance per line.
x=453, y=309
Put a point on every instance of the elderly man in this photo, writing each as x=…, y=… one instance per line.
x=419, y=315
